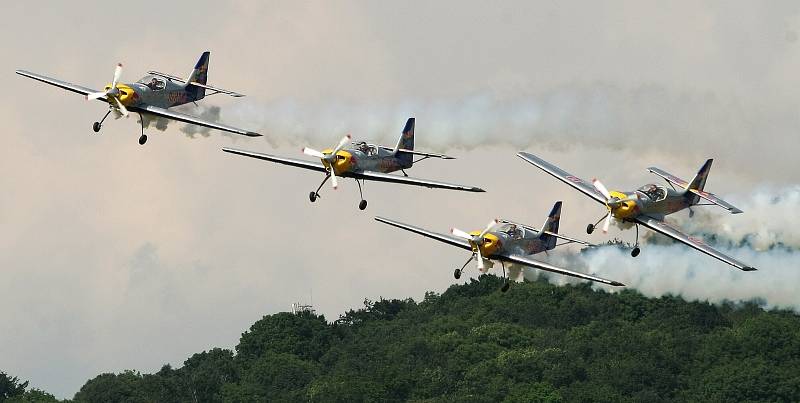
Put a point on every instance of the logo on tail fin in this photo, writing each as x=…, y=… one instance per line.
x=406, y=142
x=551, y=225
x=699, y=181
x=199, y=75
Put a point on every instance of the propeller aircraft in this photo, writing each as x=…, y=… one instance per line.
x=363, y=161
x=153, y=94
x=649, y=204
x=507, y=241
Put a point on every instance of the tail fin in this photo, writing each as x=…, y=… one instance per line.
x=199, y=75
x=406, y=142
x=699, y=181
x=551, y=225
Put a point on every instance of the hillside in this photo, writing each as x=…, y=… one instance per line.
x=538, y=342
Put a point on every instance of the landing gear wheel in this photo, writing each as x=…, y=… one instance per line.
x=457, y=274
x=635, y=251
x=590, y=228
x=362, y=205
x=96, y=127
x=142, y=139
x=505, y=287
x=312, y=196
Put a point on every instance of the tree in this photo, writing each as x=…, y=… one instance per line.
x=10, y=386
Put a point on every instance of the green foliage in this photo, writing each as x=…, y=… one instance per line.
x=535, y=343
x=10, y=386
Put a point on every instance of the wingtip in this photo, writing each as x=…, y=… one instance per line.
x=749, y=268
x=617, y=284
x=253, y=134
x=478, y=190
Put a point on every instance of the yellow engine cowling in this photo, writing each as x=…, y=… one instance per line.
x=342, y=163
x=126, y=93
x=623, y=210
x=490, y=243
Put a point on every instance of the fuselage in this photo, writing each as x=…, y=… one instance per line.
x=154, y=90
x=511, y=239
x=652, y=200
x=361, y=156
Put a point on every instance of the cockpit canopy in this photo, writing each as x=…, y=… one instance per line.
x=653, y=192
x=364, y=147
x=153, y=82
x=513, y=230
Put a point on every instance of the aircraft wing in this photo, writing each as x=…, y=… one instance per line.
x=697, y=243
x=182, y=117
x=314, y=166
x=61, y=84
x=407, y=180
x=577, y=183
x=526, y=261
x=448, y=239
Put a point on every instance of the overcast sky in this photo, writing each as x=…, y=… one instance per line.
x=117, y=256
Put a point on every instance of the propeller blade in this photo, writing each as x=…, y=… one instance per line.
x=121, y=107
x=481, y=264
x=606, y=224
x=117, y=74
x=489, y=227
x=601, y=188
x=312, y=152
x=95, y=95
x=342, y=142
x=461, y=234
x=334, y=182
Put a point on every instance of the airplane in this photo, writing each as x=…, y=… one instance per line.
x=363, y=161
x=153, y=94
x=649, y=204
x=507, y=241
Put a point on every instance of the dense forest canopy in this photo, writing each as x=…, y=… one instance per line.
x=536, y=343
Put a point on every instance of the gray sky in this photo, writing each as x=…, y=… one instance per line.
x=118, y=256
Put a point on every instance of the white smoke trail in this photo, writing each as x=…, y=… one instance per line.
x=647, y=118
x=210, y=113
x=769, y=220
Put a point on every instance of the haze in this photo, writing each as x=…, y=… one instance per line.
x=117, y=256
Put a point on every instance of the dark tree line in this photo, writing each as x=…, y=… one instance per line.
x=536, y=343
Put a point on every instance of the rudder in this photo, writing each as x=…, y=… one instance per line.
x=406, y=142
x=551, y=226
x=699, y=181
x=199, y=75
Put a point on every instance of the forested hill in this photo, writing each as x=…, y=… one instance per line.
x=537, y=342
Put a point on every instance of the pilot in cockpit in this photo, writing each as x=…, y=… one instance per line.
x=155, y=84
x=513, y=231
x=362, y=146
x=653, y=192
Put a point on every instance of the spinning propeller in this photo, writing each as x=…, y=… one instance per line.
x=112, y=92
x=330, y=158
x=476, y=240
x=612, y=202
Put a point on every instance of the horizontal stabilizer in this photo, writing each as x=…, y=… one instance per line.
x=536, y=230
x=206, y=86
x=716, y=200
x=669, y=177
x=422, y=153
